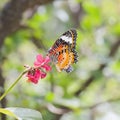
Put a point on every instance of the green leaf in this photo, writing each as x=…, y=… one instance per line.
x=72, y=103
x=7, y=112
x=91, y=8
x=25, y=113
x=50, y=97
x=115, y=29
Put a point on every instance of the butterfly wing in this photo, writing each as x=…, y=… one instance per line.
x=63, y=52
x=70, y=37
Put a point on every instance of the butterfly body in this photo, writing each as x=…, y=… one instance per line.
x=63, y=52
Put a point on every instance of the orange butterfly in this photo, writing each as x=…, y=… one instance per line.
x=63, y=52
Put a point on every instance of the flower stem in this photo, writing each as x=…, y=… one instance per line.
x=16, y=81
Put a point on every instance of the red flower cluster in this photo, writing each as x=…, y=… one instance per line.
x=39, y=70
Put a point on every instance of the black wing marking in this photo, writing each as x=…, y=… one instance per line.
x=73, y=35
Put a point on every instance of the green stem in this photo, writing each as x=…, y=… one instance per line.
x=6, y=92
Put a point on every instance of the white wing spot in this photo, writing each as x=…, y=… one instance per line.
x=66, y=39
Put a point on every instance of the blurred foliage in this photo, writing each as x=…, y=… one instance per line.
x=98, y=30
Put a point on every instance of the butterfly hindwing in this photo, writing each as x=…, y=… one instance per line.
x=63, y=52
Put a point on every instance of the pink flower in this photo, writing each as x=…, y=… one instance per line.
x=39, y=70
x=43, y=75
x=34, y=75
x=42, y=62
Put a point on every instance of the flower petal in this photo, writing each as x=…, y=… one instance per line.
x=37, y=64
x=34, y=75
x=46, y=67
x=43, y=75
x=47, y=60
x=39, y=60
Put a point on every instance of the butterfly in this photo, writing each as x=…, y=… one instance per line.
x=63, y=52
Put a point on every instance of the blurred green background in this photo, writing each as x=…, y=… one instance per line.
x=91, y=91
